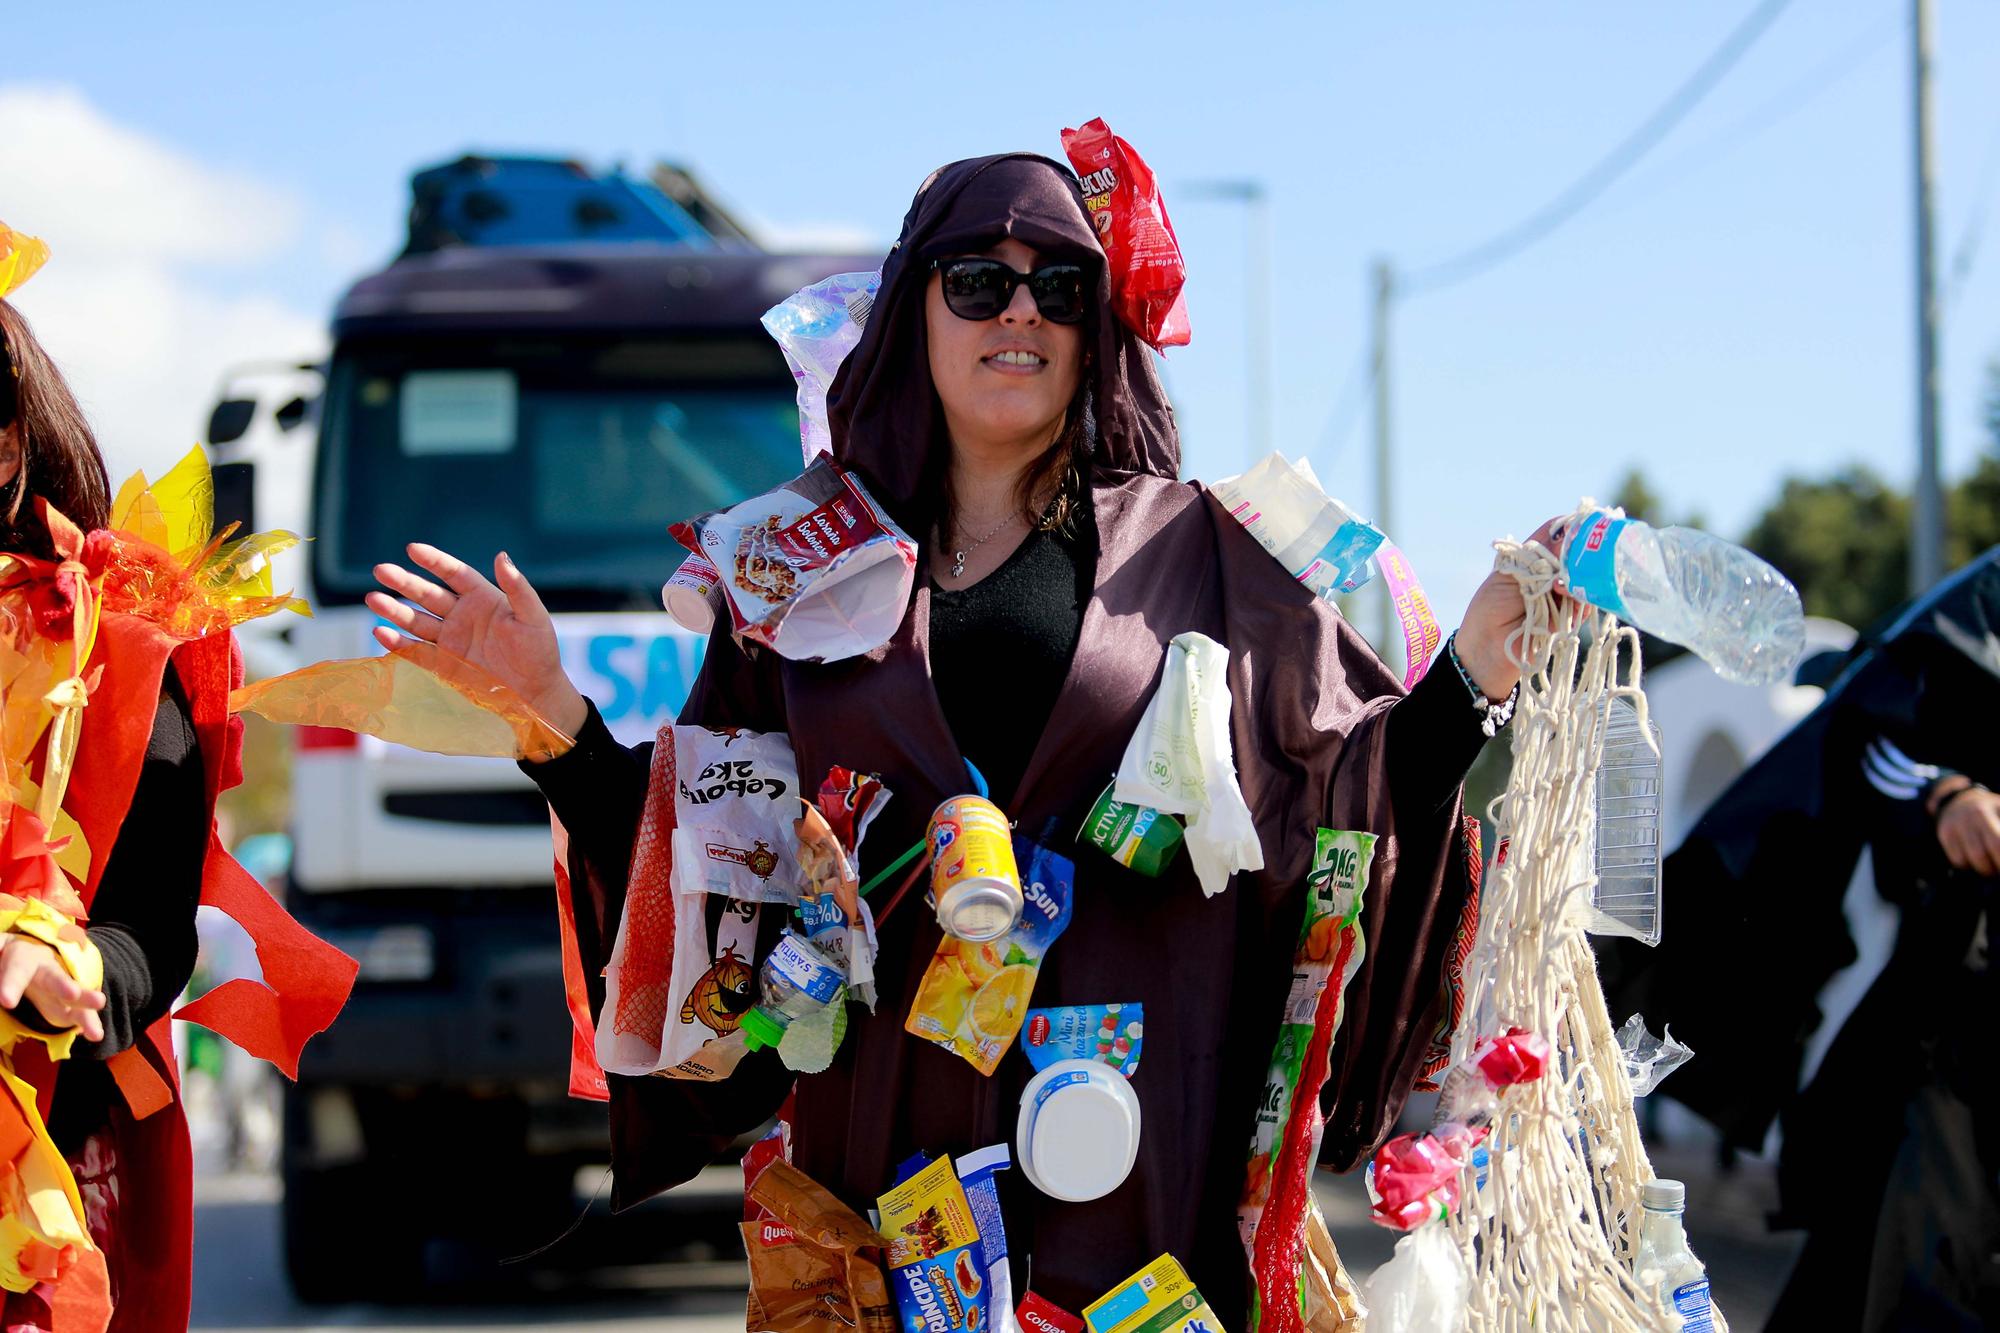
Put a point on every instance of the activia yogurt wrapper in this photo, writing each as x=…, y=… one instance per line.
x=1110, y=1034
x=1137, y=836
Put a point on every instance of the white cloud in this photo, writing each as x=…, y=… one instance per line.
x=816, y=238
x=126, y=305
x=68, y=172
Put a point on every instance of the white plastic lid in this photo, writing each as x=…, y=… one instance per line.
x=1662, y=1195
x=1079, y=1130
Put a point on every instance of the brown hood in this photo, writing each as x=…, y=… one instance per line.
x=882, y=408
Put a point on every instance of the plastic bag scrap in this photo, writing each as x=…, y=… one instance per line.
x=1329, y=1299
x=1471, y=1091
x=815, y=569
x=816, y=327
x=1415, y=1178
x=1180, y=761
x=736, y=804
x=1648, y=1059
x=812, y=1262
x=810, y=1042
x=1320, y=541
x=834, y=916
x=1423, y=1287
x=1123, y=199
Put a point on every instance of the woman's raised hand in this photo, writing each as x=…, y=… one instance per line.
x=499, y=626
x=1495, y=612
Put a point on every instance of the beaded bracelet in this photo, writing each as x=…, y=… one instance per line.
x=1492, y=716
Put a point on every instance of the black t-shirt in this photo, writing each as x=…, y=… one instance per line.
x=142, y=919
x=1001, y=648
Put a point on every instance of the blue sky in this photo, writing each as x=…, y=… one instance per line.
x=1736, y=309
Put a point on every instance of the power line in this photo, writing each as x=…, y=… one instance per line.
x=1782, y=107
x=1966, y=253
x=1346, y=413
x=1587, y=187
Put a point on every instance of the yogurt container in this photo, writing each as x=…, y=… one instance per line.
x=691, y=595
x=1079, y=1130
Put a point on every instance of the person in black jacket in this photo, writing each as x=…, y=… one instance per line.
x=142, y=917
x=1890, y=1152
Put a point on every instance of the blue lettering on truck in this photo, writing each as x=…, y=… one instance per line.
x=638, y=681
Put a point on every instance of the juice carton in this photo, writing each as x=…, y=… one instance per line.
x=1160, y=1298
x=936, y=1267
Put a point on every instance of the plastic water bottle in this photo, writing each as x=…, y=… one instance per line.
x=1711, y=596
x=1664, y=1265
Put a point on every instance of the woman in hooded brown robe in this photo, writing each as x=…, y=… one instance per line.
x=1039, y=460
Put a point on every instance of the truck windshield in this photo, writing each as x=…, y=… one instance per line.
x=571, y=454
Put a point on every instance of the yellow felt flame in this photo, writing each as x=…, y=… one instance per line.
x=20, y=256
x=176, y=514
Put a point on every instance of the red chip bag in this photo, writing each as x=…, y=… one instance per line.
x=1131, y=220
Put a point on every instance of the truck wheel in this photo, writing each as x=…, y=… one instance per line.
x=342, y=1240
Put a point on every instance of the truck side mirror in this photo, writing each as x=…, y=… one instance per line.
x=235, y=496
x=230, y=419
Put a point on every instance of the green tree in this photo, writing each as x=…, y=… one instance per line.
x=1638, y=499
x=1844, y=540
x=1636, y=496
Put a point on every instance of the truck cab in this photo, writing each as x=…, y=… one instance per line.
x=564, y=399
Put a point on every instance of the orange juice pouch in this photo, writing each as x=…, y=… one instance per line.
x=974, y=997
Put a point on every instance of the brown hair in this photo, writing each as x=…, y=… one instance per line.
x=60, y=461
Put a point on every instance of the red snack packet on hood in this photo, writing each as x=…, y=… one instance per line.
x=1139, y=243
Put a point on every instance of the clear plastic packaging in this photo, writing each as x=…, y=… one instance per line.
x=1648, y=1059
x=1626, y=833
x=1320, y=541
x=1422, y=1288
x=816, y=327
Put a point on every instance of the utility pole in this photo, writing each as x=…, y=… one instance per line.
x=1256, y=302
x=1385, y=295
x=1927, y=531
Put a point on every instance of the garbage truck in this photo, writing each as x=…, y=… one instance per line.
x=559, y=364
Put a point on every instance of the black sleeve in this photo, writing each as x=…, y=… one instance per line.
x=142, y=919
x=597, y=789
x=1434, y=736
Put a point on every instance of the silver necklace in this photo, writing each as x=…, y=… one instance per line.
x=958, y=556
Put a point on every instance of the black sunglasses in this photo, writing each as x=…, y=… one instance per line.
x=979, y=289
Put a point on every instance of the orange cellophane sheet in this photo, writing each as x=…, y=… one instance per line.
x=417, y=695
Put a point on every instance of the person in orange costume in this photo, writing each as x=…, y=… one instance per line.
x=107, y=826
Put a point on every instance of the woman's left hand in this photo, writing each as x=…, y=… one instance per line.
x=1496, y=611
x=30, y=969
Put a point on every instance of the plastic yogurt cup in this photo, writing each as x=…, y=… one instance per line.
x=1079, y=1130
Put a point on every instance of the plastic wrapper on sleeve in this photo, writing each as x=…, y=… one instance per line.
x=417, y=695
